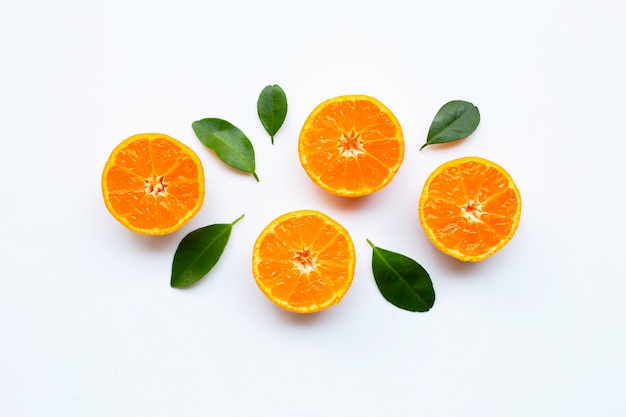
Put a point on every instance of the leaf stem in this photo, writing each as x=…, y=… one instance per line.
x=239, y=218
x=370, y=243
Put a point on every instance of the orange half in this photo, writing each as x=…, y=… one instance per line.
x=153, y=184
x=351, y=145
x=470, y=208
x=304, y=261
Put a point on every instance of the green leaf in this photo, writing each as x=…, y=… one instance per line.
x=272, y=108
x=229, y=143
x=402, y=281
x=456, y=120
x=198, y=253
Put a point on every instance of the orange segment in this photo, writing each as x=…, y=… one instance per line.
x=304, y=261
x=351, y=145
x=470, y=208
x=153, y=184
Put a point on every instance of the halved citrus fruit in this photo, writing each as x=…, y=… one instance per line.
x=153, y=184
x=351, y=145
x=470, y=208
x=304, y=261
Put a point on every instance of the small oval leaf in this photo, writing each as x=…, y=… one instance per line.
x=272, y=108
x=402, y=281
x=198, y=253
x=228, y=142
x=456, y=120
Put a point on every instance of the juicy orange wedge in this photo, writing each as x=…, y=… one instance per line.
x=351, y=145
x=153, y=184
x=304, y=261
x=470, y=208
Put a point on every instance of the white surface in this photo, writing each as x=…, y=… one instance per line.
x=89, y=323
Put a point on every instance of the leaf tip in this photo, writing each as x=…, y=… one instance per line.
x=256, y=177
x=424, y=145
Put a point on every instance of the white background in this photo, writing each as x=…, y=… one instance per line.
x=89, y=325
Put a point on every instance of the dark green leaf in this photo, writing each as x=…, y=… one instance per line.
x=229, y=143
x=402, y=281
x=455, y=120
x=198, y=253
x=272, y=108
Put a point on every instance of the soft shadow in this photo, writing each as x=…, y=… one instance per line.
x=158, y=243
x=447, y=145
x=343, y=203
x=453, y=267
x=298, y=319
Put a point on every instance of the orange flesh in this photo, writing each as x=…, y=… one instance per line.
x=351, y=145
x=153, y=184
x=470, y=209
x=304, y=261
